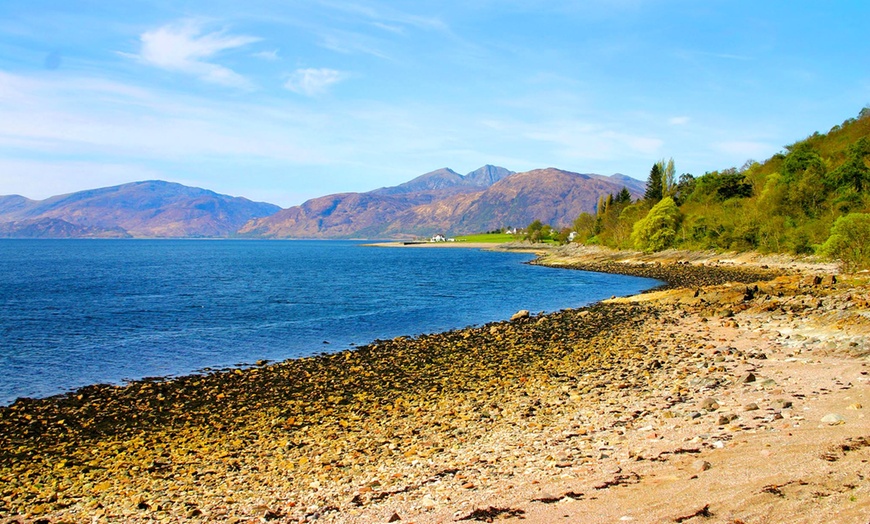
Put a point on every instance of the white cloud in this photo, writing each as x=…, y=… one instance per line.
x=592, y=142
x=271, y=56
x=184, y=48
x=93, y=117
x=679, y=120
x=313, y=82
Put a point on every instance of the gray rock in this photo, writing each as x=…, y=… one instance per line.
x=523, y=313
x=833, y=419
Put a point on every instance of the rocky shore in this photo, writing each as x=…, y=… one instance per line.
x=735, y=394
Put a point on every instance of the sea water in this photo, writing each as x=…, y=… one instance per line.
x=79, y=312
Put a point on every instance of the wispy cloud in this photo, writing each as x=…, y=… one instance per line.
x=185, y=48
x=313, y=82
x=592, y=141
x=389, y=18
x=270, y=56
x=349, y=42
x=679, y=120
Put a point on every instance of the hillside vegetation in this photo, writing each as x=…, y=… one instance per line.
x=812, y=198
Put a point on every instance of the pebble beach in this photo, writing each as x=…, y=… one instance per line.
x=734, y=393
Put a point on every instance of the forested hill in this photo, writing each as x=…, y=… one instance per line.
x=787, y=203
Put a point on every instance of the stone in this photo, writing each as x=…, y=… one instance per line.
x=519, y=315
x=427, y=502
x=746, y=378
x=833, y=419
x=394, y=518
x=855, y=405
x=701, y=465
x=726, y=418
x=752, y=406
x=709, y=404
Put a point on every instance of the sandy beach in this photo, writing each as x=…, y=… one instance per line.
x=737, y=393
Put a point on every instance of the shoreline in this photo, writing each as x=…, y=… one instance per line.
x=430, y=428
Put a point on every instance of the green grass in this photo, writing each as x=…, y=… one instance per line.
x=493, y=238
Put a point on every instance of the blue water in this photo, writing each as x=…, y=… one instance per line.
x=79, y=312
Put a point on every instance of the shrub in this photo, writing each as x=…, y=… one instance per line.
x=658, y=229
x=850, y=241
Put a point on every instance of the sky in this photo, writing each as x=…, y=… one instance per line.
x=282, y=101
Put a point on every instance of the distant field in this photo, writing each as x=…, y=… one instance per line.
x=494, y=238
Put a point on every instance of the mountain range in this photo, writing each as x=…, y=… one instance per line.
x=150, y=209
x=441, y=201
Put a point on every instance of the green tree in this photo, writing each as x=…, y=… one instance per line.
x=584, y=226
x=850, y=241
x=669, y=177
x=623, y=197
x=658, y=229
x=733, y=185
x=654, y=184
x=854, y=172
x=685, y=187
x=538, y=231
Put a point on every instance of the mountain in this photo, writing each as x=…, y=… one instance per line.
x=444, y=201
x=56, y=228
x=346, y=215
x=341, y=215
x=446, y=179
x=141, y=209
x=634, y=186
x=553, y=196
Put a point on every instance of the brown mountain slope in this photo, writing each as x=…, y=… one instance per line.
x=141, y=209
x=55, y=228
x=366, y=215
x=550, y=195
x=444, y=202
x=333, y=216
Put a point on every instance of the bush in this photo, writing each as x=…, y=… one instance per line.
x=850, y=241
x=658, y=229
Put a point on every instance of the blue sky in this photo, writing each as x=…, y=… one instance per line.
x=287, y=100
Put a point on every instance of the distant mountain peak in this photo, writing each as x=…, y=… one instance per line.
x=446, y=179
x=486, y=176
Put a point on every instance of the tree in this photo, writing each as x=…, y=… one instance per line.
x=685, y=187
x=669, y=177
x=623, y=197
x=584, y=225
x=850, y=241
x=654, y=184
x=538, y=231
x=733, y=185
x=658, y=229
x=854, y=172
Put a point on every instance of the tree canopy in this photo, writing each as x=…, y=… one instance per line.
x=806, y=199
